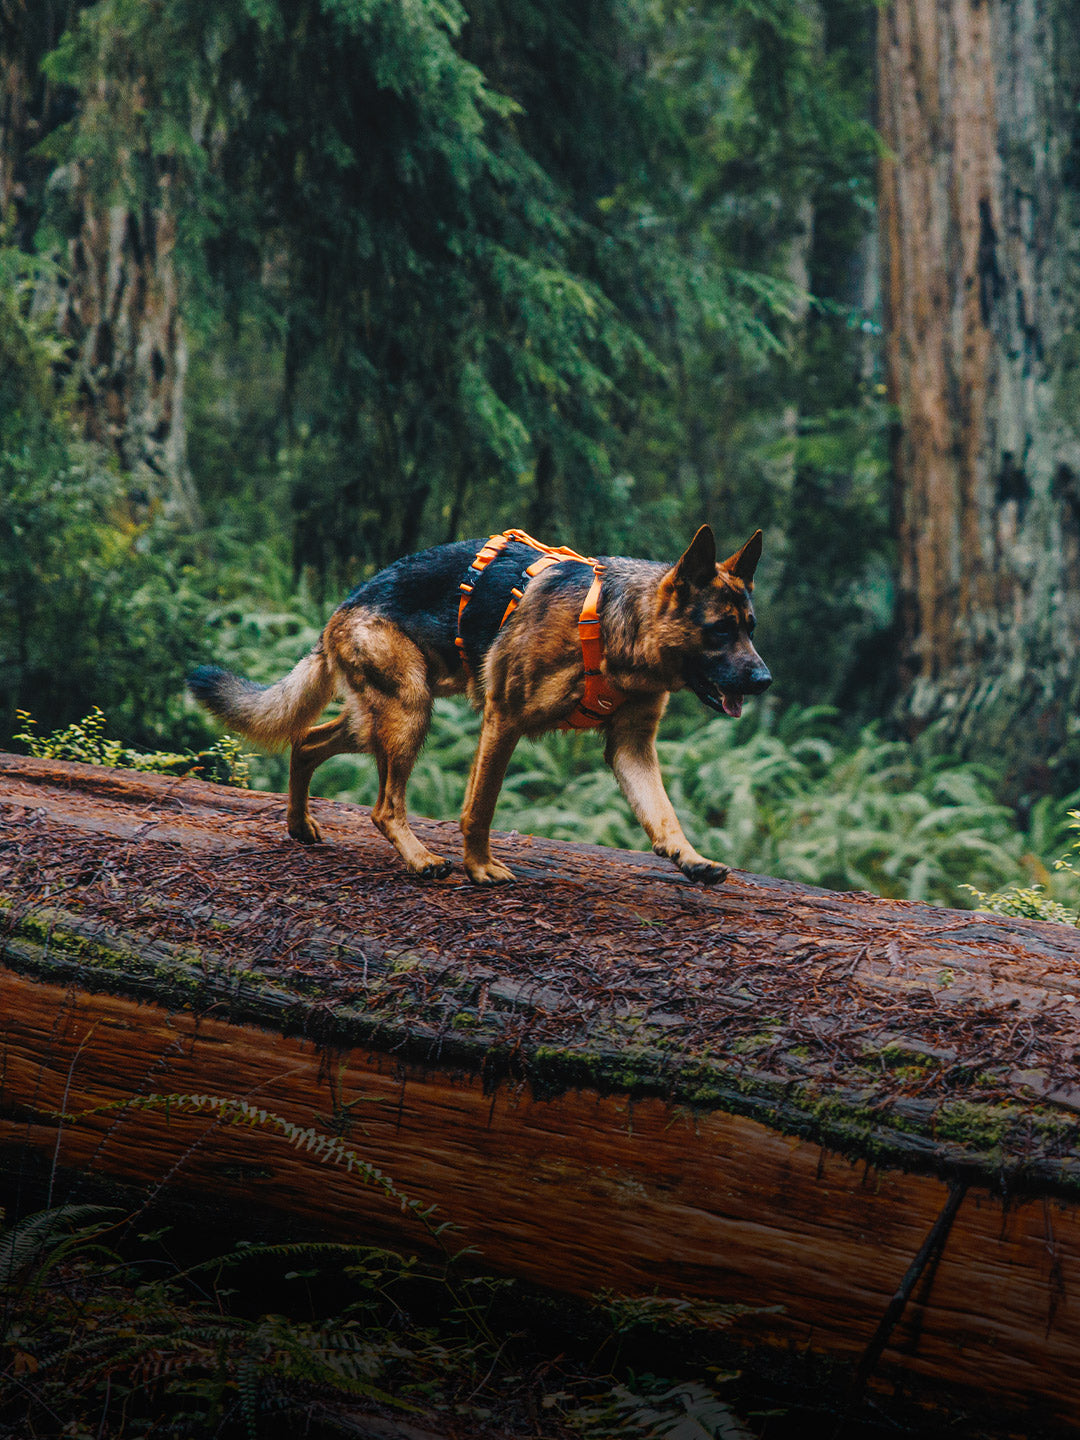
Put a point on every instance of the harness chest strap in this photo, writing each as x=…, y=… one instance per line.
x=601, y=697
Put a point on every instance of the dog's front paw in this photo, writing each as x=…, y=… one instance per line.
x=305, y=830
x=488, y=872
x=705, y=872
x=433, y=868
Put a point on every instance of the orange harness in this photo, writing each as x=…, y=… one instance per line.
x=601, y=698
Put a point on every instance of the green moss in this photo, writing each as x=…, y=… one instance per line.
x=983, y=1127
x=43, y=930
x=752, y=1044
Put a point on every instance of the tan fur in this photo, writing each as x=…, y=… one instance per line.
x=283, y=713
x=532, y=678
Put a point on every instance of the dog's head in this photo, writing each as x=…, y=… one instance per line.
x=709, y=603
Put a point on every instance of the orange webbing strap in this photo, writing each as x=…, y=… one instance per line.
x=601, y=698
x=558, y=552
x=484, y=557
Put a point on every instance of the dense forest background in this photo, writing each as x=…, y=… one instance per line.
x=291, y=287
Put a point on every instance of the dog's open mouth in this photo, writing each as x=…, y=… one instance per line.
x=724, y=702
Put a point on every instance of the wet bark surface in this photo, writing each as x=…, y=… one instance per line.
x=940, y=1039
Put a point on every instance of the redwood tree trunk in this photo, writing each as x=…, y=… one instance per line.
x=121, y=311
x=118, y=301
x=980, y=207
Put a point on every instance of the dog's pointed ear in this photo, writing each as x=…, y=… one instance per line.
x=744, y=562
x=696, y=567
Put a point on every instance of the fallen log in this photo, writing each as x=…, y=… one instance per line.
x=857, y=1118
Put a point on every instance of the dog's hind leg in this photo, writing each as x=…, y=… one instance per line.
x=308, y=753
x=498, y=737
x=388, y=698
x=398, y=732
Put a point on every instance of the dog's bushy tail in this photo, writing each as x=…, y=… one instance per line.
x=271, y=715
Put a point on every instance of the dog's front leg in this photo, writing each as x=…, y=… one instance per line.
x=631, y=753
x=497, y=740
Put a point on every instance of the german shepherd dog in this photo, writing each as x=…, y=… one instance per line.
x=406, y=636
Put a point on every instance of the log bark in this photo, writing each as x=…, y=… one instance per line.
x=762, y=1095
x=980, y=208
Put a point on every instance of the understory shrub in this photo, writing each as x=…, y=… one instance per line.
x=85, y=741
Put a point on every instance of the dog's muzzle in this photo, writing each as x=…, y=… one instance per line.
x=726, y=696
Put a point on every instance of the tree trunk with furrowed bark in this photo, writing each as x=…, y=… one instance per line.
x=115, y=291
x=120, y=308
x=980, y=218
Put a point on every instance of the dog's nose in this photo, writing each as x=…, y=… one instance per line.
x=757, y=680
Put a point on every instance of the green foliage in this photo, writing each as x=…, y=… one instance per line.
x=352, y=180
x=85, y=741
x=1036, y=901
x=105, y=1346
x=92, y=603
x=29, y=346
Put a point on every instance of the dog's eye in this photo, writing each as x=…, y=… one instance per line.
x=721, y=630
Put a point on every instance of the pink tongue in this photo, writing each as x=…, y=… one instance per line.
x=732, y=705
